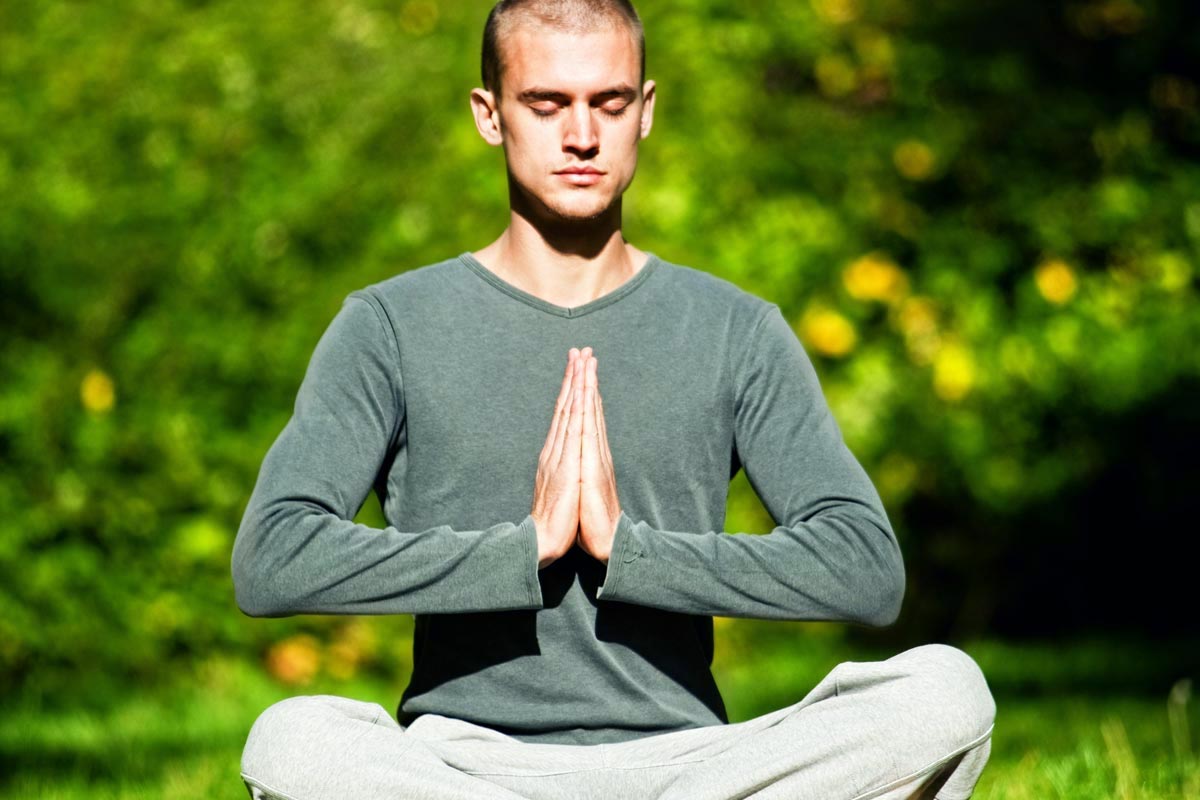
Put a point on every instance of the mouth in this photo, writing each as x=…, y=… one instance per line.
x=581, y=176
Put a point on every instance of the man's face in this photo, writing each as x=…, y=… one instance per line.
x=571, y=117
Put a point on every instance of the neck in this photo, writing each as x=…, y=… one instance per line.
x=567, y=263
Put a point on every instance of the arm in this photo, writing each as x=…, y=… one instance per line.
x=832, y=557
x=297, y=550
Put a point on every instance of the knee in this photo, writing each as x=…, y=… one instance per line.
x=956, y=691
x=274, y=736
x=291, y=737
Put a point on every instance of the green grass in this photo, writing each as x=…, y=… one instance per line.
x=1068, y=726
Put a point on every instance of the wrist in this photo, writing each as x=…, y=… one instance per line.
x=548, y=550
x=546, y=554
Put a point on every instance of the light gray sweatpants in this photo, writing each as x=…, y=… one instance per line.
x=917, y=725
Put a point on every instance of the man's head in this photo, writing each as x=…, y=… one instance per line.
x=564, y=91
x=571, y=16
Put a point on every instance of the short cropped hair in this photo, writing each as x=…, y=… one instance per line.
x=573, y=16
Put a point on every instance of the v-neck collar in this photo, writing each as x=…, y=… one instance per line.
x=616, y=294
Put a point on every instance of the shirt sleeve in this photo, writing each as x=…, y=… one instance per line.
x=297, y=549
x=833, y=554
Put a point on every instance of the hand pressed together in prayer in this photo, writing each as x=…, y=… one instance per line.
x=575, y=493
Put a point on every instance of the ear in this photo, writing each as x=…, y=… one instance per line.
x=487, y=116
x=647, y=108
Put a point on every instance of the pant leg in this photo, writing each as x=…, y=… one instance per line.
x=324, y=747
x=914, y=727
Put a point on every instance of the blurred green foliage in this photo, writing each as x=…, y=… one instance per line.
x=983, y=218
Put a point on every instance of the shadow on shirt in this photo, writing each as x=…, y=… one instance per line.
x=674, y=645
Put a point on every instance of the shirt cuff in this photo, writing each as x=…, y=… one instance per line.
x=528, y=531
x=625, y=549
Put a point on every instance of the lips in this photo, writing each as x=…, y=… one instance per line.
x=581, y=176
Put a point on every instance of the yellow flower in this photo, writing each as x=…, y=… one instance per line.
x=294, y=660
x=914, y=159
x=875, y=50
x=836, y=12
x=917, y=317
x=835, y=75
x=97, y=392
x=875, y=277
x=1055, y=281
x=953, y=372
x=828, y=332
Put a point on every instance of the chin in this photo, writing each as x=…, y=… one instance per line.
x=566, y=205
x=577, y=212
x=574, y=215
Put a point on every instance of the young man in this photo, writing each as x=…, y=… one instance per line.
x=564, y=555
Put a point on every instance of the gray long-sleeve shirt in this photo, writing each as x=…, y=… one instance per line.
x=436, y=389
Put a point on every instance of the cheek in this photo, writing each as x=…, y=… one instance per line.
x=628, y=145
x=521, y=157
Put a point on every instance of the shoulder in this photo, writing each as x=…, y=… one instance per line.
x=413, y=291
x=420, y=281
x=713, y=295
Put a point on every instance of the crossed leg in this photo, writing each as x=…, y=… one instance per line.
x=916, y=726
x=324, y=747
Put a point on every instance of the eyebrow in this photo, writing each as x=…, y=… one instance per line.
x=623, y=91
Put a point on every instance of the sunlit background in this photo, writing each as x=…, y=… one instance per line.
x=982, y=219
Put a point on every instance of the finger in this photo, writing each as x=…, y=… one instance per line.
x=573, y=367
x=560, y=405
x=570, y=451
x=569, y=434
x=589, y=408
x=557, y=423
x=598, y=406
x=600, y=423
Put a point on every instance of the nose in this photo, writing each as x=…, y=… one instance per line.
x=581, y=136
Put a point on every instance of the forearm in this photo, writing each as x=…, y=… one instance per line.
x=842, y=564
x=294, y=557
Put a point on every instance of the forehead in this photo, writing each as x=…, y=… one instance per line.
x=571, y=62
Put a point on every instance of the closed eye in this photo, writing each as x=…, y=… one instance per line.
x=549, y=112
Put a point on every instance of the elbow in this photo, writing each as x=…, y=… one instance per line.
x=255, y=603
x=886, y=610
x=886, y=597
x=265, y=558
x=255, y=591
